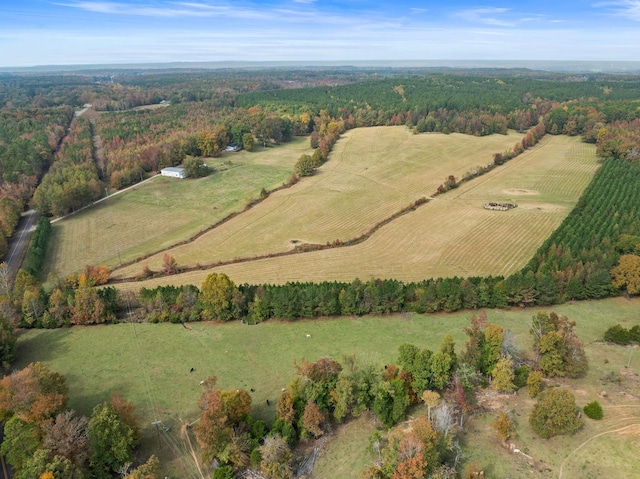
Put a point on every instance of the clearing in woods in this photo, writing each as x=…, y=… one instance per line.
x=372, y=173
x=141, y=361
x=165, y=211
x=453, y=235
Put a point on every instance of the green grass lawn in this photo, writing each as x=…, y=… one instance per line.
x=150, y=363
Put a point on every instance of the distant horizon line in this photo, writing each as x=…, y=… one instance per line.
x=560, y=66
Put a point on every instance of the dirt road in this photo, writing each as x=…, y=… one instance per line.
x=19, y=241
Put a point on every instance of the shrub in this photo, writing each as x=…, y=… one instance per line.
x=617, y=334
x=224, y=472
x=520, y=376
x=255, y=458
x=534, y=383
x=555, y=413
x=593, y=410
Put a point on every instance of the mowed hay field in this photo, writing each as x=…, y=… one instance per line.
x=372, y=173
x=150, y=365
x=451, y=235
x=164, y=211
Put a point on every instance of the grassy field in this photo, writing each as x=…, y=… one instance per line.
x=150, y=365
x=164, y=211
x=372, y=173
x=451, y=235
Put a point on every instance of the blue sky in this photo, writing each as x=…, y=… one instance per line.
x=59, y=32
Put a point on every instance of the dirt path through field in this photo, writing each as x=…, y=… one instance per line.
x=591, y=439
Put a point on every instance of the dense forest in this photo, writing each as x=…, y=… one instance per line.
x=204, y=112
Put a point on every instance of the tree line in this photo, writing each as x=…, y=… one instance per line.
x=73, y=180
x=28, y=140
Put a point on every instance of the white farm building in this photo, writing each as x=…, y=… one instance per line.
x=174, y=172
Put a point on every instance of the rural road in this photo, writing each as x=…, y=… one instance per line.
x=19, y=241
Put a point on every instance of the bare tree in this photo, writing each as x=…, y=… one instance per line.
x=444, y=418
x=509, y=347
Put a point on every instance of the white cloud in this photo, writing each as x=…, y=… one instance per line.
x=298, y=11
x=298, y=43
x=487, y=15
x=165, y=10
x=625, y=8
x=497, y=17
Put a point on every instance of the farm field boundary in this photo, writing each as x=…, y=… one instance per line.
x=452, y=235
x=156, y=215
x=372, y=174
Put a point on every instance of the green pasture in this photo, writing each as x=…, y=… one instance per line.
x=150, y=364
x=164, y=211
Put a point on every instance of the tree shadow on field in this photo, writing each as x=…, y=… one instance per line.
x=83, y=400
x=42, y=346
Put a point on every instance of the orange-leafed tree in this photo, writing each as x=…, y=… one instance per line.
x=503, y=426
x=95, y=275
x=312, y=419
x=34, y=393
x=284, y=408
x=222, y=411
x=169, y=264
x=413, y=467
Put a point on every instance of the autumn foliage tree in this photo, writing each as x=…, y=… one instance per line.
x=305, y=166
x=95, y=275
x=560, y=352
x=88, y=307
x=503, y=376
x=284, y=408
x=312, y=420
x=218, y=296
x=169, y=264
x=413, y=467
x=34, y=394
x=627, y=274
x=126, y=413
x=222, y=412
x=534, y=383
x=503, y=426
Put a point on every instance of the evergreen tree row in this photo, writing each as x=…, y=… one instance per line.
x=38, y=246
